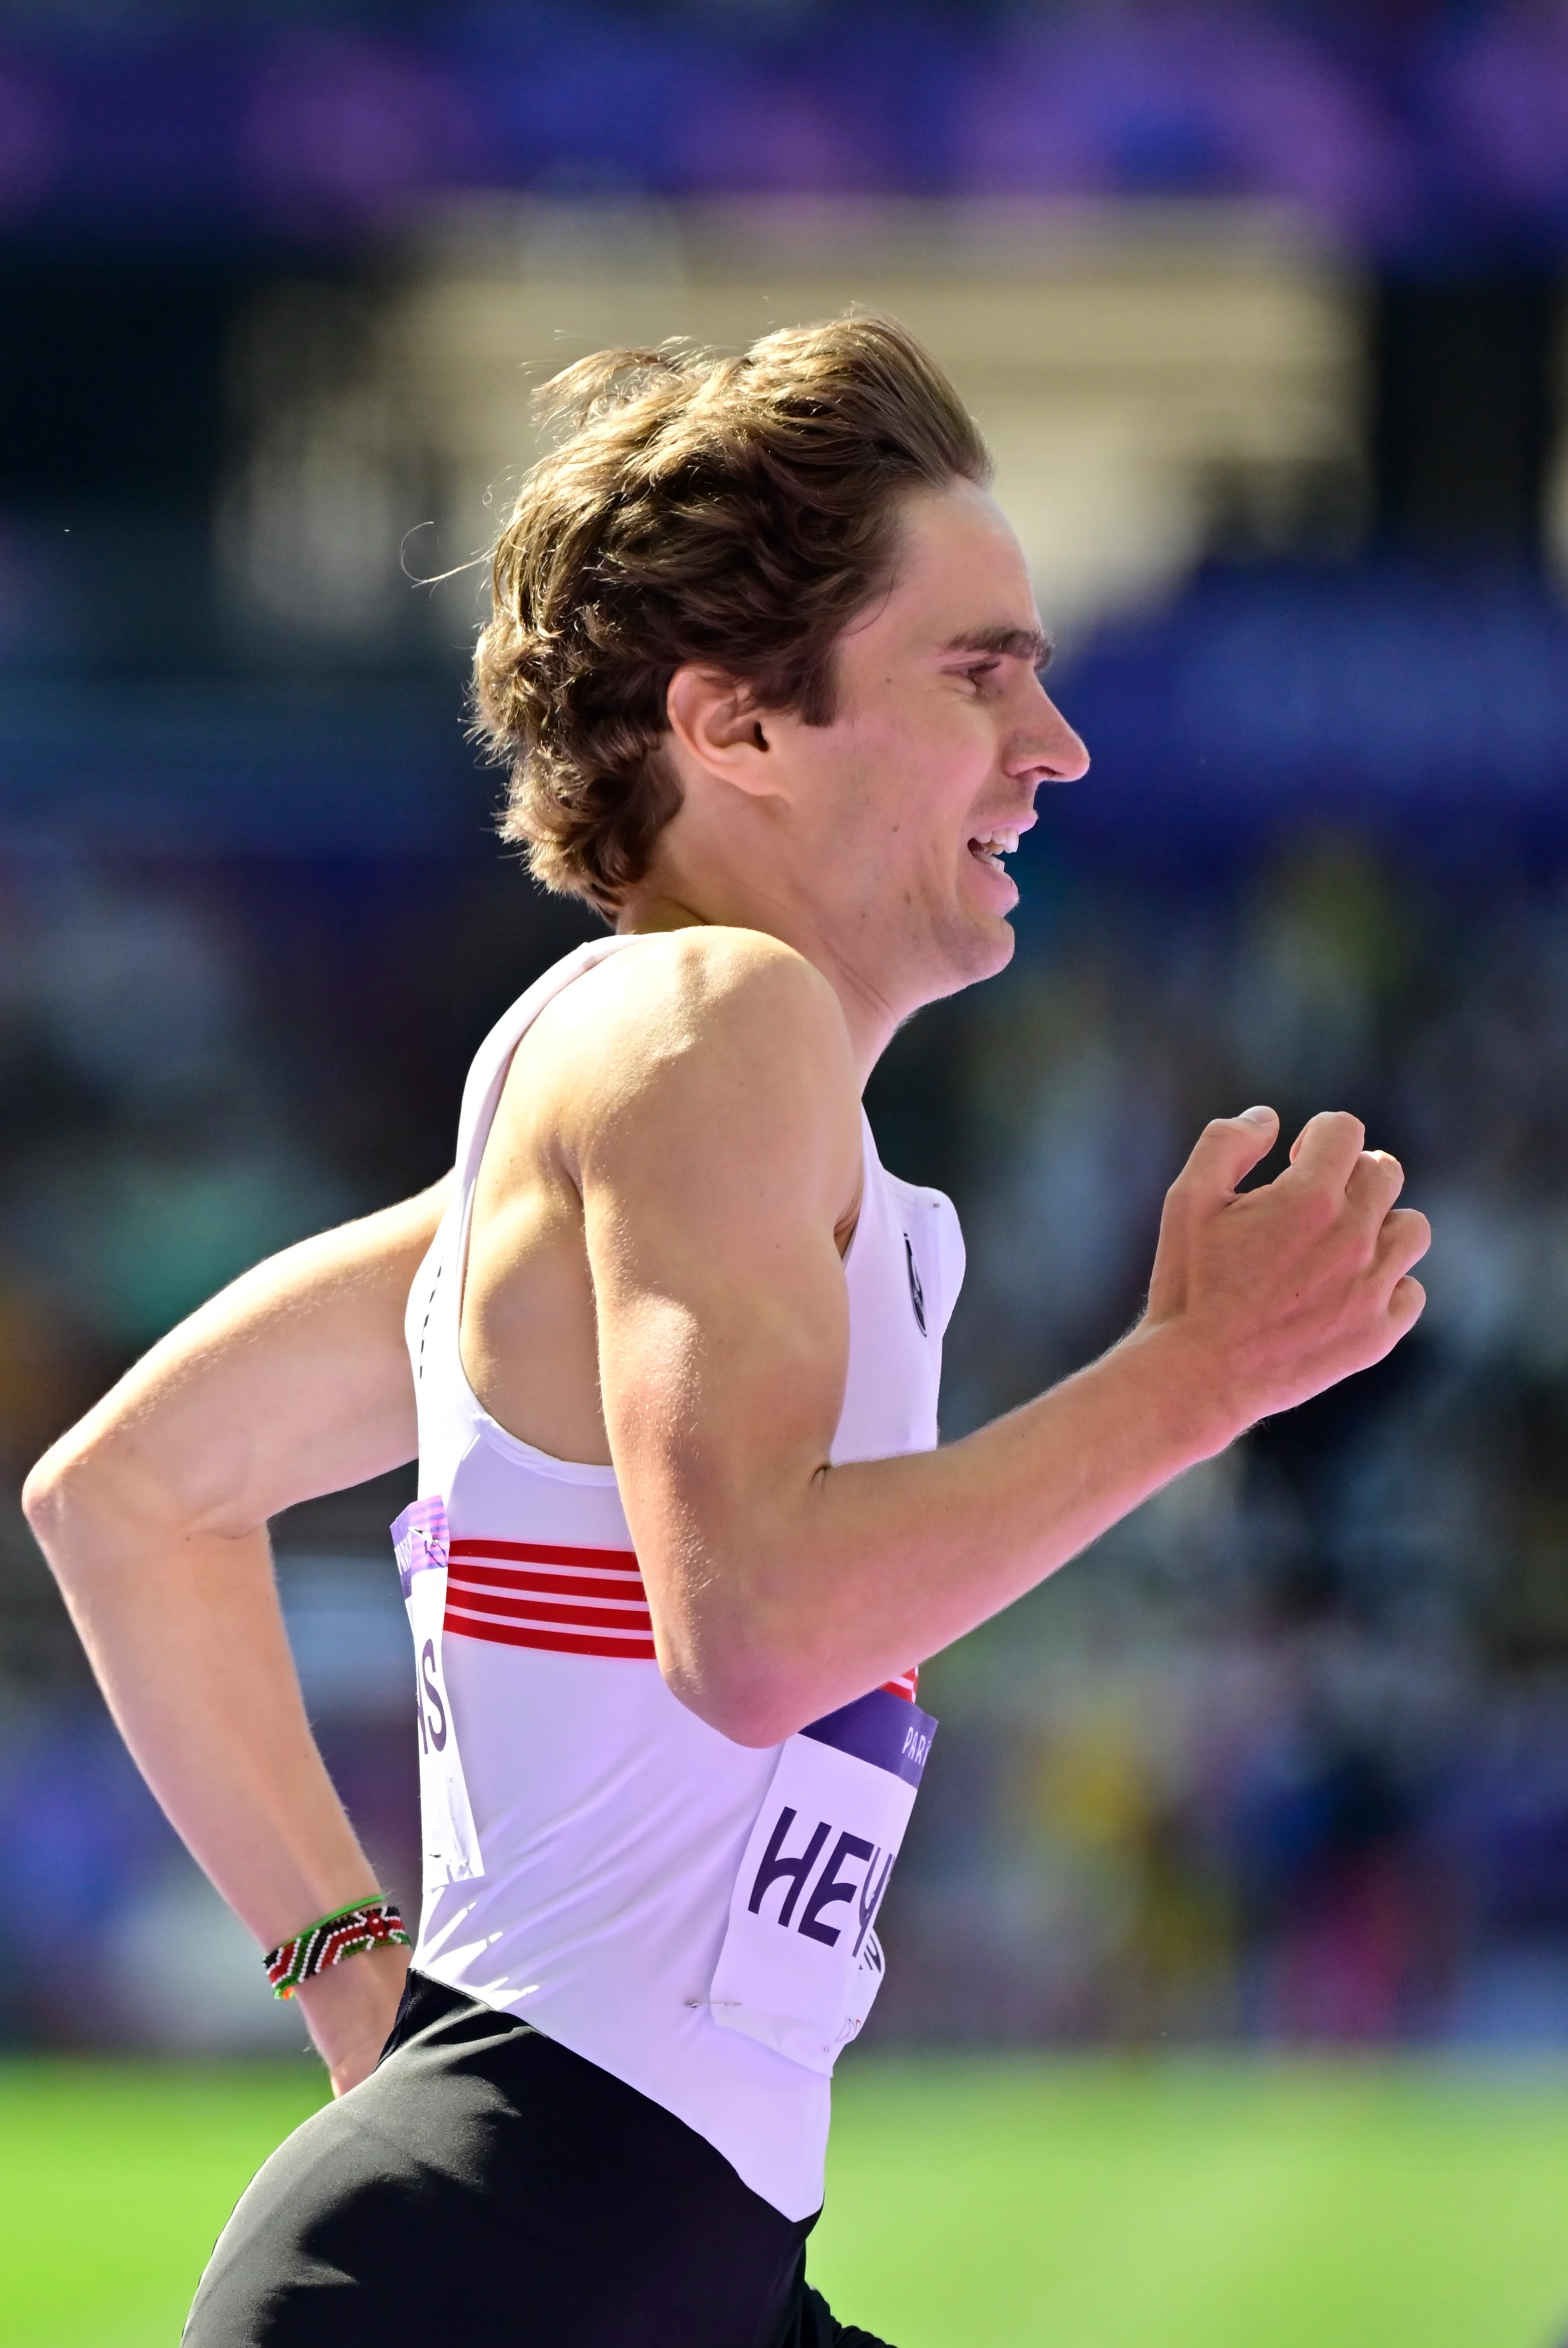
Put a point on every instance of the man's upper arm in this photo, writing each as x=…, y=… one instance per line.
x=292, y=1382
x=715, y=1178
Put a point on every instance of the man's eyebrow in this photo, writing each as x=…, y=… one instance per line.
x=1009, y=643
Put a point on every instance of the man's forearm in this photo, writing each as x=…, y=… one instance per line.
x=152, y=1513
x=781, y=1587
x=185, y=1634
x=890, y=1560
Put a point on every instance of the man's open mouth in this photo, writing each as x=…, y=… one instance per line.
x=990, y=847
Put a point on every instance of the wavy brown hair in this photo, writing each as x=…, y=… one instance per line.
x=738, y=512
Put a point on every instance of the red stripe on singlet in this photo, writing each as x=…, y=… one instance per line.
x=624, y=1561
x=487, y=1605
x=561, y=1643
x=516, y=1605
x=513, y=1604
x=628, y=1586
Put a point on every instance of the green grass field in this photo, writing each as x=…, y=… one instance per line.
x=971, y=2204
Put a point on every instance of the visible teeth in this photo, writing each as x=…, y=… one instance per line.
x=997, y=843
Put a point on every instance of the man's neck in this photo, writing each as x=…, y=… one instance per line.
x=870, y=1018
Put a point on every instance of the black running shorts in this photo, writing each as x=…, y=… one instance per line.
x=486, y=2188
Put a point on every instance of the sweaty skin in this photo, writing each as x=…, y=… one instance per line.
x=655, y=1276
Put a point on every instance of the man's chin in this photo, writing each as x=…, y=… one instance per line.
x=999, y=946
x=972, y=950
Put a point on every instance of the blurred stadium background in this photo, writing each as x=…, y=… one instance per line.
x=1263, y=310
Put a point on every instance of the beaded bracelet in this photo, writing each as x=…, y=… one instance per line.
x=344, y=1933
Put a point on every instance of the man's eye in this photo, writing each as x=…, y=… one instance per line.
x=980, y=672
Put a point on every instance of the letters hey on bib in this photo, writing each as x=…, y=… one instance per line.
x=801, y=1963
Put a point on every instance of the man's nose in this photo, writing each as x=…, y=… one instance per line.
x=1050, y=746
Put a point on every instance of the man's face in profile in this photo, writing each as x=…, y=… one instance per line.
x=908, y=801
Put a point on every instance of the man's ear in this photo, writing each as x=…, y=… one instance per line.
x=716, y=722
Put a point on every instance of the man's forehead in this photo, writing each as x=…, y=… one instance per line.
x=961, y=584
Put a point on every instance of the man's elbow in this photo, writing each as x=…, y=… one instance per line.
x=744, y=1718
x=750, y=1698
x=79, y=1488
x=49, y=1499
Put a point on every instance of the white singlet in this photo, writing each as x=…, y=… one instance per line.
x=608, y=1823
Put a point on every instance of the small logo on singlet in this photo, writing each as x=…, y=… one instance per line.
x=916, y=1294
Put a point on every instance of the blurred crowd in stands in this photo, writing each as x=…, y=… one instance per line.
x=1408, y=128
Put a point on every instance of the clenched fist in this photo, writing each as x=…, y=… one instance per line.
x=1284, y=1289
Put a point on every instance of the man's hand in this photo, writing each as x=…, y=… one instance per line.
x=349, y=2011
x=1283, y=1290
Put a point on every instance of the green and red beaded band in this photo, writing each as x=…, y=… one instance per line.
x=344, y=1934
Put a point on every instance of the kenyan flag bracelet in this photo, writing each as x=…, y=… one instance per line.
x=344, y=1934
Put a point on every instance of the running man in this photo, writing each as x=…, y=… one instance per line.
x=765, y=665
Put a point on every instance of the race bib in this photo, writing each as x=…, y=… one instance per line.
x=801, y=1963
x=452, y=1847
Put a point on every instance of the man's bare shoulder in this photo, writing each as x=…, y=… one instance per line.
x=705, y=1030
x=697, y=1002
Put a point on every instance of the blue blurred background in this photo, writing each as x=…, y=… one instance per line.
x=1263, y=309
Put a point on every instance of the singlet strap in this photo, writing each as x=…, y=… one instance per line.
x=481, y=1092
x=436, y=1303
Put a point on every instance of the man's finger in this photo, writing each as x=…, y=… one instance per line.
x=1404, y=1240
x=1375, y=1180
x=1407, y=1304
x=1226, y=1150
x=1327, y=1147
